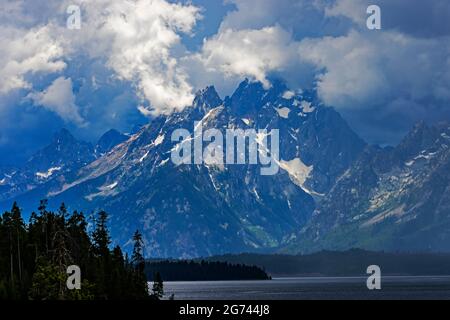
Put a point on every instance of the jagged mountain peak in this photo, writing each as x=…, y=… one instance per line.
x=208, y=91
x=48, y=167
x=390, y=198
x=222, y=207
x=420, y=138
x=207, y=98
x=251, y=96
x=64, y=150
x=109, y=140
x=63, y=136
x=250, y=87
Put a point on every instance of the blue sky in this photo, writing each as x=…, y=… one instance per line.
x=134, y=60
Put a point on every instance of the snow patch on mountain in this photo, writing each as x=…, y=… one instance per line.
x=159, y=140
x=211, y=114
x=283, y=112
x=307, y=107
x=109, y=187
x=48, y=173
x=105, y=191
x=144, y=156
x=288, y=95
x=425, y=155
x=397, y=212
x=255, y=192
x=163, y=163
x=409, y=163
x=101, y=166
x=298, y=172
x=213, y=158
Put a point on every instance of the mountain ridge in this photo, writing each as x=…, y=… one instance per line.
x=333, y=191
x=188, y=211
x=393, y=199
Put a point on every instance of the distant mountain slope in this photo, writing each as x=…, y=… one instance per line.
x=332, y=190
x=108, y=141
x=54, y=163
x=197, y=210
x=52, y=166
x=390, y=199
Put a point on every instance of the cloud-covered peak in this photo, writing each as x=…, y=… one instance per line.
x=254, y=53
x=130, y=60
x=138, y=40
x=63, y=136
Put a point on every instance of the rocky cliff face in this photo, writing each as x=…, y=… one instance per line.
x=390, y=199
x=210, y=208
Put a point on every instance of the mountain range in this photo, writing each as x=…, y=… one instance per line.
x=394, y=199
x=333, y=191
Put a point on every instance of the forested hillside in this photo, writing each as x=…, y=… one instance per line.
x=34, y=258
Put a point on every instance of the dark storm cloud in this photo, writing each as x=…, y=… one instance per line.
x=382, y=81
x=419, y=18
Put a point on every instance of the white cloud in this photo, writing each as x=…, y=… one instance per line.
x=138, y=39
x=145, y=111
x=259, y=39
x=27, y=52
x=288, y=95
x=59, y=98
x=363, y=70
x=140, y=42
x=299, y=16
x=353, y=9
x=249, y=53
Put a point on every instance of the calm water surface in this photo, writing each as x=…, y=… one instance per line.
x=312, y=288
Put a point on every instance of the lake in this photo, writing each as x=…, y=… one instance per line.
x=302, y=288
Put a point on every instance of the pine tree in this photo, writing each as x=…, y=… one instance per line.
x=101, y=241
x=34, y=258
x=158, y=286
x=46, y=282
x=61, y=258
x=138, y=262
x=118, y=276
x=63, y=213
x=79, y=242
x=138, y=257
x=61, y=254
x=17, y=238
x=100, y=236
x=44, y=214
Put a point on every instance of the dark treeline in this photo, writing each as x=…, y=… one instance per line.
x=348, y=263
x=34, y=257
x=202, y=271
